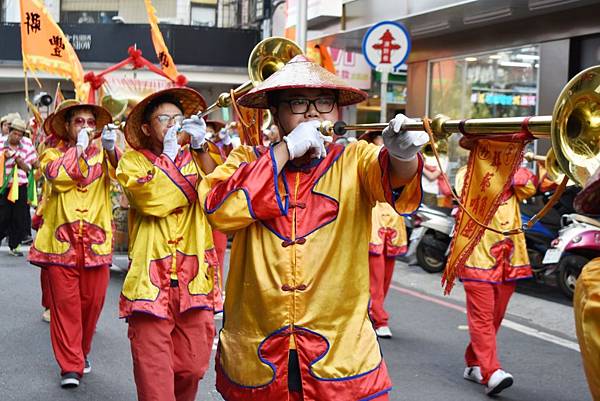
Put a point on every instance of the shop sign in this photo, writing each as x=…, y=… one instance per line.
x=351, y=67
x=80, y=41
x=386, y=45
x=505, y=100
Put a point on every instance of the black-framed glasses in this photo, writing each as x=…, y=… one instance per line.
x=165, y=119
x=301, y=106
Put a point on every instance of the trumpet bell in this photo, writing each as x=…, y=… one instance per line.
x=575, y=130
x=269, y=56
x=552, y=168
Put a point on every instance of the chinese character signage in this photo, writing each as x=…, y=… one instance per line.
x=490, y=169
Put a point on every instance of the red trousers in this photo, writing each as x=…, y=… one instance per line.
x=46, y=294
x=171, y=355
x=486, y=305
x=77, y=298
x=220, y=241
x=381, y=270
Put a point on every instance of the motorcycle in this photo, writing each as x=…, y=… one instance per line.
x=539, y=237
x=577, y=243
x=430, y=237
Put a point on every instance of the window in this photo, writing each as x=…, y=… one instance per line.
x=203, y=15
x=495, y=84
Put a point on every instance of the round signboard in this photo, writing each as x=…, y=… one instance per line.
x=386, y=45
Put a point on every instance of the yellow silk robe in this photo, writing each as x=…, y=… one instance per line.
x=497, y=258
x=299, y=271
x=169, y=235
x=77, y=221
x=388, y=232
x=586, y=305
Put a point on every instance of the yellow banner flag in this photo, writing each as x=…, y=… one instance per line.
x=162, y=52
x=46, y=48
x=491, y=166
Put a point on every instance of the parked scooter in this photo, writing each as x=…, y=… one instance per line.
x=540, y=236
x=578, y=242
x=430, y=237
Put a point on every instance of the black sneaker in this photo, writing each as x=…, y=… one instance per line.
x=88, y=366
x=69, y=380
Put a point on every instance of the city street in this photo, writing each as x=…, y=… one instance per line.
x=425, y=357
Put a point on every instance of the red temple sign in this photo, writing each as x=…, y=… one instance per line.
x=386, y=46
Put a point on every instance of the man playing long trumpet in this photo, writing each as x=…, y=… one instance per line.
x=74, y=243
x=296, y=315
x=169, y=293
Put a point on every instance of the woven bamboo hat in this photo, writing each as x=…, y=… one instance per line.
x=301, y=72
x=191, y=101
x=57, y=120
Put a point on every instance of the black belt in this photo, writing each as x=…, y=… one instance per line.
x=174, y=283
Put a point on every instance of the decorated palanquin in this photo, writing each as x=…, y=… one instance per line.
x=495, y=184
x=300, y=252
x=388, y=232
x=79, y=195
x=182, y=246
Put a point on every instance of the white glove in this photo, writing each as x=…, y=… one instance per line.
x=83, y=138
x=403, y=145
x=170, y=145
x=196, y=128
x=306, y=137
x=109, y=137
x=225, y=137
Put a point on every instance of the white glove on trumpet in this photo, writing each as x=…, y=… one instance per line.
x=403, y=145
x=195, y=127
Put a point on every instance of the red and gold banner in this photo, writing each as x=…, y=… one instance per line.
x=491, y=166
x=46, y=48
x=162, y=52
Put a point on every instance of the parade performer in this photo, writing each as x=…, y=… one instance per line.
x=489, y=279
x=388, y=241
x=586, y=301
x=169, y=293
x=17, y=159
x=74, y=242
x=296, y=322
x=219, y=135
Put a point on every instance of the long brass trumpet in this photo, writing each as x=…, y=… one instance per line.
x=574, y=126
x=267, y=57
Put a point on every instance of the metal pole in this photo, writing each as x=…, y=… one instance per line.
x=383, y=95
x=301, y=24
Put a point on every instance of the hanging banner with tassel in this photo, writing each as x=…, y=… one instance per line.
x=490, y=169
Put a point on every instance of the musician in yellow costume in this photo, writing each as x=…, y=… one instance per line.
x=169, y=293
x=586, y=301
x=74, y=242
x=388, y=241
x=489, y=278
x=296, y=323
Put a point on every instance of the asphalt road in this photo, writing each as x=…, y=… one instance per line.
x=425, y=356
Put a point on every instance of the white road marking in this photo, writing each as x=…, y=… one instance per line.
x=506, y=323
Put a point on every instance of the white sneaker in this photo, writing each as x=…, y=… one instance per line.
x=46, y=315
x=499, y=380
x=384, y=332
x=87, y=366
x=473, y=373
